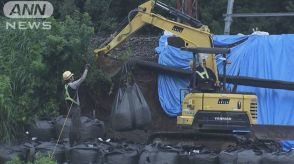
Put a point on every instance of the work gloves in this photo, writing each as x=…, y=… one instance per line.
x=87, y=66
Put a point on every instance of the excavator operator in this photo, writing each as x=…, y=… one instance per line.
x=203, y=77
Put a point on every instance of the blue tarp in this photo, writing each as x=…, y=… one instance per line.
x=168, y=86
x=261, y=56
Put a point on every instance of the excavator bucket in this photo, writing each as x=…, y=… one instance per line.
x=110, y=66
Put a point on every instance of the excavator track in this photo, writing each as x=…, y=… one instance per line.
x=216, y=141
x=213, y=141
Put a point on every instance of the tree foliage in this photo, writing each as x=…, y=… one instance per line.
x=32, y=62
x=106, y=14
x=211, y=13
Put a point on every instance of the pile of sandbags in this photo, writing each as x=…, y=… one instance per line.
x=47, y=130
x=244, y=156
x=90, y=128
x=57, y=151
x=42, y=129
x=102, y=152
x=120, y=153
x=93, y=149
x=94, y=152
x=83, y=153
x=159, y=154
x=199, y=155
x=278, y=157
x=240, y=156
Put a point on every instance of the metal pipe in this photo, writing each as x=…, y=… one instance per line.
x=228, y=18
x=260, y=14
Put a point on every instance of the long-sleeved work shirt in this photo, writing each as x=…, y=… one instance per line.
x=75, y=85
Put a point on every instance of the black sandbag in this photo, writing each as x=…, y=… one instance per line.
x=104, y=148
x=157, y=154
x=228, y=157
x=141, y=110
x=31, y=150
x=43, y=130
x=121, y=156
x=91, y=128
x=7, y=152
x=249, y=157
x=130, y=110
x=278, y=158
x=240, y=156
x=83, y=154
x=198, y=158
x=58, y=122
x=47, y=148
x=114, y=152
x=121, y=115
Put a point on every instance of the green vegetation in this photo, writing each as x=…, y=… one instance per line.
x=15, y=160
x=44, y=159
x=40, y=159
x=32, y=62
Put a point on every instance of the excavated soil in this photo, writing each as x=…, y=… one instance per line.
x=147, y=81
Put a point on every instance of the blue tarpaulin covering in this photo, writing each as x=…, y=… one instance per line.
x=169, y=86
x=261, y=56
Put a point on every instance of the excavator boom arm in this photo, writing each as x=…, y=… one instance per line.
x=134, y=25
x=193, y=37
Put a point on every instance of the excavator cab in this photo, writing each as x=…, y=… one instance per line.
x=203, y=79
x=213, y=108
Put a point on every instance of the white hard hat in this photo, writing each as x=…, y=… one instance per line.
x=67, y=75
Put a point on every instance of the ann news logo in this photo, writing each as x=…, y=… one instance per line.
x=28, y=14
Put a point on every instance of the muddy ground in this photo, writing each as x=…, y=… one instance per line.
x=147, y=81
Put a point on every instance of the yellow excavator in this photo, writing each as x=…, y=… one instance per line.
x=218, y=110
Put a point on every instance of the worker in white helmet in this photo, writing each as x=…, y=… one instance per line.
x=72, y=100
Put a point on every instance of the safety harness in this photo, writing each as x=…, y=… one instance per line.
x=67, y=95
x=201, y=74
